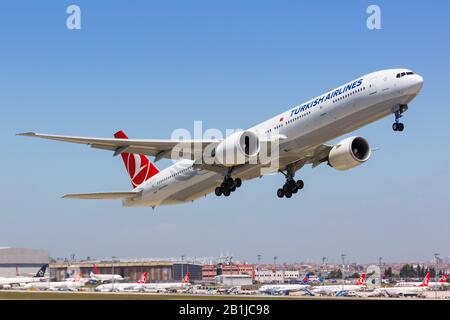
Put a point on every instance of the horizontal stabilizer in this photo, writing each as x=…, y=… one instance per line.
x=103, y=195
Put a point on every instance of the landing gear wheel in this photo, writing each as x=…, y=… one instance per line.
x=300, y=184
x=294, y=189
x=280, y=193
x=286, y=188
x=218, y=191
x=229, y=182
x=400, y=126
x=291, y=184
x=226, y=193
x=288, y=194
x=233, y=188
x=237, y=182
x=395, y=126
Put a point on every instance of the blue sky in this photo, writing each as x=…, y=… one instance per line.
x=149, y=67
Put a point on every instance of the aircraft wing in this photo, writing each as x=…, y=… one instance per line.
x=156, y=148
x=103, y=195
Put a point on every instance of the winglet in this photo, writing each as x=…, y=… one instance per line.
x=27, y=134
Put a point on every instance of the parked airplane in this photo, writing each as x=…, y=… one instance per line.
x=442, y=282
x=222, y=165
x=426, y=280
x=73, y=285
x=340, y=289
x=167, y=286
x=121, y=286
x=409, y=291
x=285, y=288
x=7, y=283
x=96, y=275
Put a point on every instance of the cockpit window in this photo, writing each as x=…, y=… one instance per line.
x=399, y=75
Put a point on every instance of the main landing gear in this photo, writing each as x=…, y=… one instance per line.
x=397, y=125
x=291, y=186
x=228, y=186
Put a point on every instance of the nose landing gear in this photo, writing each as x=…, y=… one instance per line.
x=398, y=111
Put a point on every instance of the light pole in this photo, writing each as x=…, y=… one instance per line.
x=113, y=277
x=182, y=267
x=343, y=269
x=275, y=267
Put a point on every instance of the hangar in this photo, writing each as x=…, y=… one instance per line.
x=23, y=261
x=158, y=271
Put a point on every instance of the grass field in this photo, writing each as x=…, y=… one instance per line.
x=45, y=295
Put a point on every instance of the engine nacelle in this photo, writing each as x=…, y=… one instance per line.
x=237, y=148
x=349, y=153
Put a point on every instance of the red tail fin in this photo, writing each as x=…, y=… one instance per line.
x=143, y=278
x=138, y=166
x=362, y=280
x=443, y=278
x=186, y=278
x=96, y=270
x=425, y=280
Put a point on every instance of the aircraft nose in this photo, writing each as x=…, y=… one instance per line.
x=416, y=84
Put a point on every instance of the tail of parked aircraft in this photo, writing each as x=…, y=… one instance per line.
x=138, y=166
x=186, y=278
x=305, y=279
x=143, y=278
x=76, y=277
x=41, y=271
x=443, y=278
x=95, y=269
x=362, y=280
x=425, y=280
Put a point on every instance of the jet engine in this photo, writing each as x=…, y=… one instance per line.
x=349, y=153
x=237, y=148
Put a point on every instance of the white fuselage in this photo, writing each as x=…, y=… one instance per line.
x=56, y=285
x=275, y=288
x=19, y=281
x=121, y=286
x=398, y=291
x=164, y=286
x=321, y=119
x=329, y=290
x=106, y=277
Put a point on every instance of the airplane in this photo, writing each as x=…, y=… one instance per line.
x=96, y=275
x=409, y=291
x=7, y=283
x=137, y=286
x=442, y=282
x=285, y=288
x=167, y=286
x=291, y=139
x=72, y=285
x=414, y=284
x=340, y=289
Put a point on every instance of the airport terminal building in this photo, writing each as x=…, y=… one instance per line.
x=22, y=261
x=158, y=271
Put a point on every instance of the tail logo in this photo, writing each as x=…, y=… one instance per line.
x=139, y=168
x=186, y=278
x=425, y=281
x=143, y=278
x=362, y=280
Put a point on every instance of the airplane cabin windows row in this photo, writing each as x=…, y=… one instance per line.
x=290, y=121
x=349, y=94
